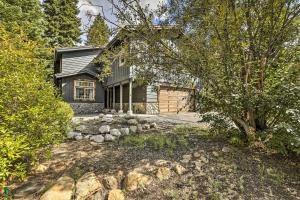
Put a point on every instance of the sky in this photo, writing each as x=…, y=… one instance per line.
x=107, y=10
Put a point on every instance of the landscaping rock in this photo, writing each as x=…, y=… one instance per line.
x=196, y=154
x=132, y=122
x=134, y=180
x=87, y=137
x=107, y=118
x=79, y=137
x=61, y=190
x=97, y=138
x=139, y=128
x=124, y=131
x=163, y=173
x=204, y=159
x=216, y=154
x=99, y=195
x=80, y=128
x=110, y=182
x=73, y=134
x=153, y=125
x=115, y=132
x=109, y=137
x=133, y=129
x=162, y=163
x=40, y=168
x=101, y=115
x=113, y=111
x=226, y=149
x=179, y=169
x=146, y=126
x=116, y=195
x=87, y=185
x=104, y=129
x=186, y=158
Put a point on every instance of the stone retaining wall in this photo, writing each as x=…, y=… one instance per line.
x=87, y=108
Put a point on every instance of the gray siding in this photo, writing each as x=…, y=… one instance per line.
x=119, y=73
x=77, y=61
x=151, y=94
x=68, y=88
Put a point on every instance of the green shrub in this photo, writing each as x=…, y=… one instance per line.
x=31, y=115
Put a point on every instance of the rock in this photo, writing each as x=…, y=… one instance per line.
x=109, y=137
x=113, y=111
x=124, y=131
x=28, y=190
x=132, y=122
x=97, y=138
x=99, y=195
x=116, y=195
x=226, y=149
x=87, y=137
x=87, y=185
x=41, y=168
x=146, y=126
x=162, y=163
x=198, y=165
x=80, y=128
x=115, y=132
x=163, y=173
x=110, y=182
x=134, y=180
x=133, y=129
x=107, y=118
x=204, y=159
x=139, y=128
x=216, y=154
x=61, y=190
x=196, y=155
x=73, y=134
x=101, y=115
x=179, y=169
x=153, y=125
x=186, y=158
x=79, y=137
x=104, y=129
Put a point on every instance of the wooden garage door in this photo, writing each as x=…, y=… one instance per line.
x=175, y=100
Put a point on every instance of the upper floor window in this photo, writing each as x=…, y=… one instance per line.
x=84, y=90
x=121, y=61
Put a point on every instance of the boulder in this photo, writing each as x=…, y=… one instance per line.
x=97, y=138
x=73, y=134
x=109, y=137
x=139, y=128
x=110, y=182
x=153, y=125
x=116, y=195
x=87, y=185
x=146, y=126
x=216, y=154
x=163, y=173
x=113, y=111
x=79, y=137
x=226, y=149
x=40, y=168
x=197, y=154
x=61, y=190
x=87, y=137
x=134, y=180
x=104, y=129
x=133, y=129
x=107, y=118
x=132, y=122
x=80, y=128
x=101, y=115
x=115, y=132
x=179, y=169
x=99, y=195
x=124, y=131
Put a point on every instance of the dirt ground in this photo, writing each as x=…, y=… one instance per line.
x=234, y=173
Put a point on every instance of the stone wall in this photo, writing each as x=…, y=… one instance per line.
x=87, y=108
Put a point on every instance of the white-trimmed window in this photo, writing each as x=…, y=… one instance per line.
x=84, y=90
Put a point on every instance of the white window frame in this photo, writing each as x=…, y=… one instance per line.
x=90, y=84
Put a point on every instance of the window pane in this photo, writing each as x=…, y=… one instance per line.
x=89, y=93
x=79, y=93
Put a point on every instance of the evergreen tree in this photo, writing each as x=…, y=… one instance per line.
x=98, y=33
x=25, y=13
x=63, y=27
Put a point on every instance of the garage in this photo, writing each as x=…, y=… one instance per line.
x=175, y=100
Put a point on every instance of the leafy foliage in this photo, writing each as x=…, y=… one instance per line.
x=98, y=33
x=63, y=25
x=31, y=116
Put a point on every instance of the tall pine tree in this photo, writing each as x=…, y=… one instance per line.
x=25, y=13
x=98, y=33
x=63, y=25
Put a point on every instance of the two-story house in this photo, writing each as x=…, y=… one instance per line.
x=76, y=76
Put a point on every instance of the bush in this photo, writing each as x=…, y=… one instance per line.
x=31, y=115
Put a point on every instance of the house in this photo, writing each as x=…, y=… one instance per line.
x=76, y=77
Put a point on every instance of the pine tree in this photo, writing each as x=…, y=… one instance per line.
x=63, y=27
x=25, y=13
x=98, y=33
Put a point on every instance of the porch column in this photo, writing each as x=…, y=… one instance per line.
x=130, y=98
x=121, y=98
x=114, y=97
x=107, y=98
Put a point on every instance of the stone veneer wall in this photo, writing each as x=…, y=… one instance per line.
x=87, y=108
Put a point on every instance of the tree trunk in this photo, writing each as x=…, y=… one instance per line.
x=249, y=131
